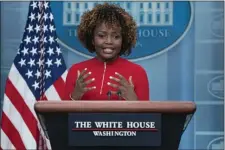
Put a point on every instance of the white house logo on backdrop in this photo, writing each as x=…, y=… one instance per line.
x=161, y=25
x=216, y=144
x=216, y=87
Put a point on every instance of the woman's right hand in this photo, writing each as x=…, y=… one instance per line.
x=81, y=85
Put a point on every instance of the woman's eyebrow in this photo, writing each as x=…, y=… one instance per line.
x=114, y=32
x=102, y=31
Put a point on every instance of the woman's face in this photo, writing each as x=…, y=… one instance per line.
x=107, y=41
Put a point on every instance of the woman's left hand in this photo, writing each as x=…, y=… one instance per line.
x=126, y=88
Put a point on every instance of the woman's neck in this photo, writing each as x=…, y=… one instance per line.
x=106, y=60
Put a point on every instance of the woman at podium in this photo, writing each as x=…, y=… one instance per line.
x=109, y=32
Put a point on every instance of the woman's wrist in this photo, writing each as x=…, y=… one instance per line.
x=133, y=98
x=74, y=97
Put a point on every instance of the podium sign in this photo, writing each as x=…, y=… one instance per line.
x=114, y=129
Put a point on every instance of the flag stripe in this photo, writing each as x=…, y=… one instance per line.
x=6, y=143
x=64, y=75
x=22, y=108
x=16, y=118
x=12, y=133
x=22, y=89
x=59, y=88
x=51, y=94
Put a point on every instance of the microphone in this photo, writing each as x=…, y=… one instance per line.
x=119, y=94
x=109, y=93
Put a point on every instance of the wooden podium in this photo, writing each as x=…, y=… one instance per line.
x=175, y=117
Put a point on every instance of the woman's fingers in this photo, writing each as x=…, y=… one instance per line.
x=86, y=75
x=131, y=81
x=89, y=88
x=113, y=85
x=81, y=74
x=84, y=84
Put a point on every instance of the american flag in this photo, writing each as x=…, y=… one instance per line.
x=37, y=73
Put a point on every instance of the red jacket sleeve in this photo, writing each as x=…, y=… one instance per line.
x=141, y=85
x=70, y=82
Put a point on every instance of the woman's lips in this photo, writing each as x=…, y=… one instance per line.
x=108, y=50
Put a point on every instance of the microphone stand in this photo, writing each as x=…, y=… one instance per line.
x=109, y=93
x=119, y=94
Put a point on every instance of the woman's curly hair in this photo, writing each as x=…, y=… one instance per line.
x=112, y=15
